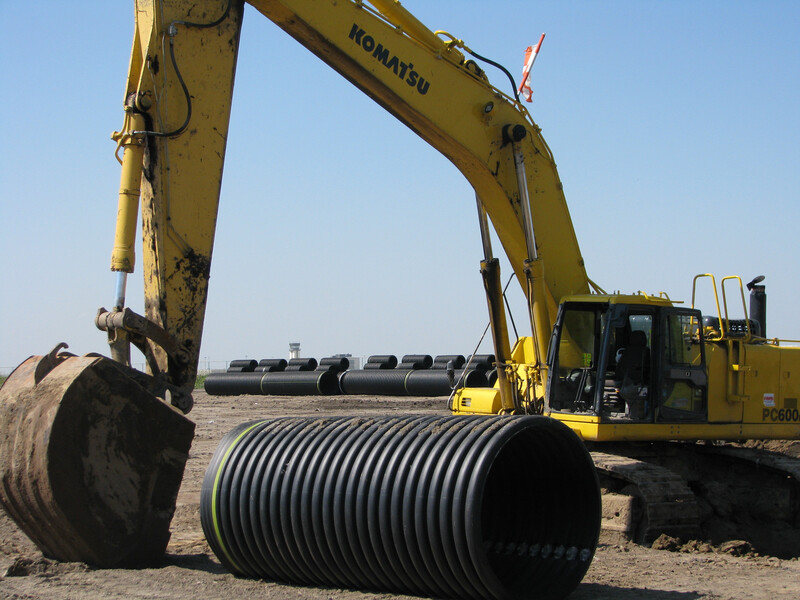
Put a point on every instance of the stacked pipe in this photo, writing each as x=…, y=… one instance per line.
x=272, y=365
x=242, y=366
x=274, y=377
x=334, y=363
x=381, y=361
x=415, y=375
x=383, y=375
x=485, y=363
x=384, y=381
x=279, y=383
x=443, y=361
x=302, y=364
x=460, y=507
x=416, y=361
x=482, y=361
x=449, y=372
x=439, y=382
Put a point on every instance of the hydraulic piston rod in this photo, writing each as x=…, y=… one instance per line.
x=123, y=256
x=534, y=268
x=490, y=272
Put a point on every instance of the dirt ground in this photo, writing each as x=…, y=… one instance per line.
x=620, y=571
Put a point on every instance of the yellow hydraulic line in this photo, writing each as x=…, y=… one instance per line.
x=123, y=256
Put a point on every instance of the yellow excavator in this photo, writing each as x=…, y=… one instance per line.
x=632, y=373
x=93, y=451
x=641, y=379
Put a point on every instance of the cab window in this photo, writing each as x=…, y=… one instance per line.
x=628, y=376
x=576, y=349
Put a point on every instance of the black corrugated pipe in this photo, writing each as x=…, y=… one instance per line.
x=440, y=362
x=302, y=364
x=380, y=382
x=242, y=366
x=481, y=361
x=271, y=365
x=300, y=383
x=416, y=361
x=444, y=506
x=436, y=382
x=381, y=361
x=337, y=364
x=281, y=383
x=233, y=384
x=406, y=382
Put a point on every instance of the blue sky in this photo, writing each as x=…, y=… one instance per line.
x=675, y=127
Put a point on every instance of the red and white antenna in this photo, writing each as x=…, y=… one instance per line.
x=530, y=58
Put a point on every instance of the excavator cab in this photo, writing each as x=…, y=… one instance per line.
x=635, y=361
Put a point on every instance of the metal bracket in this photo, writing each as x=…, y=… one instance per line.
x=125, y=326
x=50, y=361
x=138, y=325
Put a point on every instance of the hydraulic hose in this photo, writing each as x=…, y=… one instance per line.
x=443, y=506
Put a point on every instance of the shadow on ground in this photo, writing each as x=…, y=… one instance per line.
x=597, y=591
x=195, y=562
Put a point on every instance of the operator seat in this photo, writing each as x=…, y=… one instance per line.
x=632, y=374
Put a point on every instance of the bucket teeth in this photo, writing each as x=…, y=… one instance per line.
x=90, y=461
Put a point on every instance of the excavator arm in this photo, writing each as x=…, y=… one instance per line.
x=172, y=147
x=177, y=110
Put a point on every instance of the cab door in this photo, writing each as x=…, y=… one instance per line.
x=682, y=379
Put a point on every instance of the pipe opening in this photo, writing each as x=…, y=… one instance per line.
x=539, y=516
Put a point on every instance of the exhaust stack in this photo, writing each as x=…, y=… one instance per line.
x=758, y=304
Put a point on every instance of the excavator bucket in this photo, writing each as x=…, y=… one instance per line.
x=90, y=460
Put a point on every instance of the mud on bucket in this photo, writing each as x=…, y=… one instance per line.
x=90, y=461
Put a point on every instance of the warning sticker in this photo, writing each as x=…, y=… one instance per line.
x=769, y=400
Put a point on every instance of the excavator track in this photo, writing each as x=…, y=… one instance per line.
x=713, y=492
x=788, y=465
x=654, y=500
